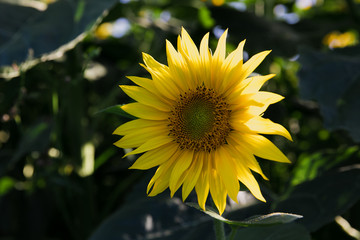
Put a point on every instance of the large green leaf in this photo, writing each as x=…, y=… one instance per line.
x=169, y=219
x=324, y=198
x=333, y=80
x=150, y=218
x=261, y=220
x=161, y=218
x=279, y=232
x=25, y=29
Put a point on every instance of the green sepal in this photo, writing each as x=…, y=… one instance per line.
x=117, y=110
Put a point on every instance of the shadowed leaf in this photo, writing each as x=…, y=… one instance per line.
x=29, y=32
x=278, y=232
x=333, y=80
x=324, y=198
x=261, y=220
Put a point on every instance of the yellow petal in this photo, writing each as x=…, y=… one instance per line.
x=257, y=110
x=191, y=66
x=151, y=184
x=257, y=102
x=235, y=57
x=163, y=173
x=263, y=147
x=202, y=185
x=161, y=183
x=159, y=186
x=266, y=126
x=251, y=64
x=267, y=98
x=145, y=97
x=243, y=156
x=161, y=77
x=229, y=81
x=231, y=68
x=246, y=177
x=155, y=157
x=205, y=56
x=177, y=66
x=140, y=136
x=192, y=175
x=225, y=167
x=181, y=165
x=253, y=84
x=244, y=102
x=136, y=124
x=143, y=111
x=217, y=190
x=239, y=100
x=217, y=62
x=188, y=47
x=151, y=144
x=238, y=116
x=152, y=64
x=146, y=83
x=220, y=51
x=165, y=85
x=204, y=48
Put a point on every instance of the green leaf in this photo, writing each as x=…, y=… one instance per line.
x=323, y=198
x=205, y=17
x=116, y=109
x=161, y=218
x=104, y=156
x=333, y=80
x=279, y=232
x=150, y=218
x=28, y=32
x=260, y=220
x=6, y=184
x=312, y=165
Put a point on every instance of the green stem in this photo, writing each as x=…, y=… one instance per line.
x=233, y=232
x=219, y=230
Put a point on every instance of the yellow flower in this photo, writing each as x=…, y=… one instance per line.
x=336, y=39
x=199, y=121
x=103, y=31
x=216, y=2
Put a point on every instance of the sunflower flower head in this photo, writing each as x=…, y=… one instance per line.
x=199, y=121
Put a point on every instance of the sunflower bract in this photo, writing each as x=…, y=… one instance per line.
x=199, y=121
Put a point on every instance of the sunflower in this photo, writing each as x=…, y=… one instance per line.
x=199, y=121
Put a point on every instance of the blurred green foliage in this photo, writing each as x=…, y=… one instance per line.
x=60, y=175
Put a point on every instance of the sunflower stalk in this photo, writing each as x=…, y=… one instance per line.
x=219, y=229
x=233, y=232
